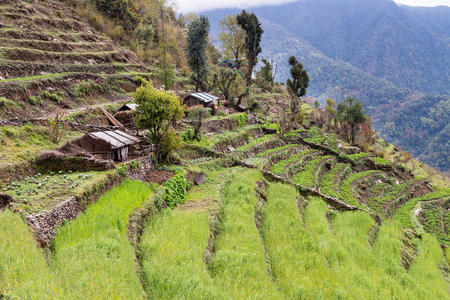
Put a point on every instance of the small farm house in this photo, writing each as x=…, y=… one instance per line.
x=204, y=99
x=114, y=145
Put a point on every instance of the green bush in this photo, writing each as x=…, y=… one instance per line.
x=52, y=96
x=166, y=76
x=187, y=135
x=5, y=102
x=242, y=119
x=85, y=88
x=176, y=189
x=138, y=80
x=33, y=100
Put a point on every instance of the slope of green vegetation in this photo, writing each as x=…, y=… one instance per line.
x=172, y=254
x=24, y=143
x=311, y=257
x=239, y=265
x=92, y=252
x=24, y=273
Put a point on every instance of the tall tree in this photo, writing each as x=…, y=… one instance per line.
x=300, y=79
x=330, y=109
x=232, y=38
x=157, y=111
x=266, y=75
x=351, y=111
x=196, y=50
x=253, y=30
x=225, y=80
x=297, y=86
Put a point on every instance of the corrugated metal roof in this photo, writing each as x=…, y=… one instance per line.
x=130, y=106
x=204, y=97
x=116, y=138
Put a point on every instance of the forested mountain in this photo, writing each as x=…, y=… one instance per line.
x=390, y=57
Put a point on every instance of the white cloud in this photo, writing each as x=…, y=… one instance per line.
x=185, y=6
x=201, y=5
x=424, y=2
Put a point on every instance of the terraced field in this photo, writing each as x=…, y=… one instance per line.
x=243, y=235
x=314, y=162
x=50, y=58
x=303, y=215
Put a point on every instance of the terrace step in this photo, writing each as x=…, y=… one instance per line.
x=43, y=22
x=10, y=69
x=416, y=189
x=25, y=54
x=296, y=166
x=50, y=36
x=58, y=46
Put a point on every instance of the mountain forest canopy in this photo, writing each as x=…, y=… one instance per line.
x=391, y=57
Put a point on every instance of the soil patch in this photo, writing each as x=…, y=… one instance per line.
x=158, y=176
x=196, y=205
x=5, y=200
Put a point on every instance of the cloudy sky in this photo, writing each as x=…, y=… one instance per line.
x=199, y=5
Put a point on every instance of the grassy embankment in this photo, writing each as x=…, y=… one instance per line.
x=312, y=257
x=92, y=257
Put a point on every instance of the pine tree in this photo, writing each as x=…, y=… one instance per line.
x=196, y=50
x=253, y=30
x=351, y=111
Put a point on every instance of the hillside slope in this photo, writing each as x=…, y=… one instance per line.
x=49, y=58
x=407, y=46
x=387, y=103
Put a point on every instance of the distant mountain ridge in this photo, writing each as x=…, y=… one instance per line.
x=341, y=62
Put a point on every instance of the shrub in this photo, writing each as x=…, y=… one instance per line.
x=242, y=119
x=52, y=96
x=170, y=142
x=85, y=88
x=166, y=76
x=33, y=100
x=187, y=135
x=4, y=102
x=138, y=80
x=173, y=192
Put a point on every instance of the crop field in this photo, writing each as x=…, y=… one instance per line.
x=258, y=206
x=91, y=256
x=41, y=191
x=50, y=53
x=21, y=144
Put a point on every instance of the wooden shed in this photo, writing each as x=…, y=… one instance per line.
x=125, y=115
x=114, y=145
x=204, y=99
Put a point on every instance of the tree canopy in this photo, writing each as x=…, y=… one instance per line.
x=157, y=111
x=300, y=79
x=252, y=27
x=232, y=38
x=266, y=75
x=196, y=50
x=351, y=111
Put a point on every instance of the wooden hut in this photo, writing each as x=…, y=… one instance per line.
x=125, y=115
x=114, y=145
x=204, y=99
x=128, y=107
